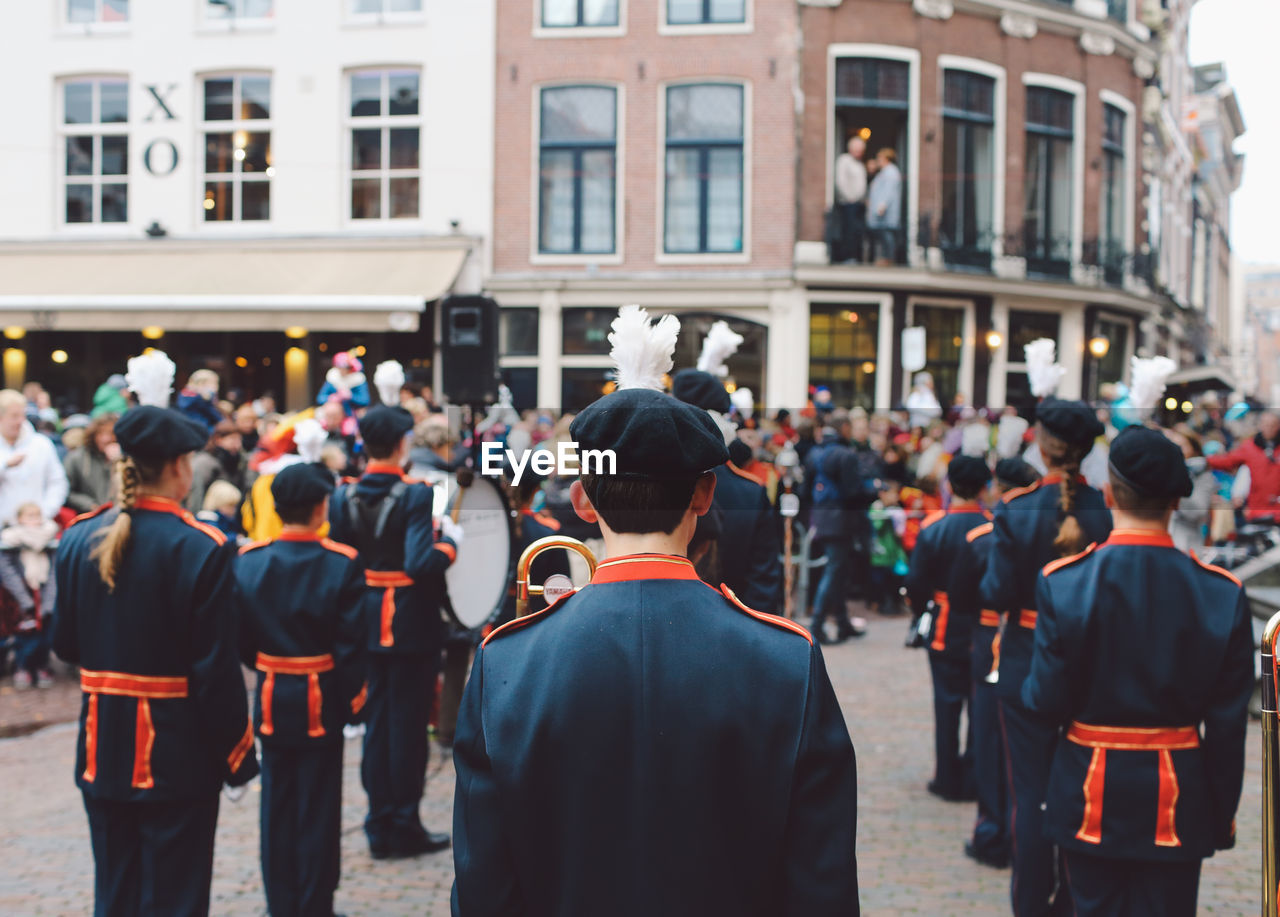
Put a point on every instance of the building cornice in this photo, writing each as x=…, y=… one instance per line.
x=263, y=243
x=1062, y=21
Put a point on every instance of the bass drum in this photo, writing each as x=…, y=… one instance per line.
x=479, y=580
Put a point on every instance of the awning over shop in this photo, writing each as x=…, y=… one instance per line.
x=257, y=285
x=1202, y=379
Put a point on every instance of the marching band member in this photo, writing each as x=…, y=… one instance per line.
x=387, y=518
x=146, y=607
x=308, y=647
x=1032, y=527
x=936, y=564
x=1145, y=656
x=606, y=763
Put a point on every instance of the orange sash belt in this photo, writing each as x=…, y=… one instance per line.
x=310, y=666
x=1162, y=740
x=989, y=618
x=389, y=581
x=1027, y=618
x=940, y=624
x=145, y=688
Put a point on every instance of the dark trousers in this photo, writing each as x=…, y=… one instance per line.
x=953, y=774
x=31, y=648
x=301, y=823
x=991, y=830
x=1029, y=745
x=1131, y=888
x=885, y=242
x=152, y=859
x=853, y=225
x=828, y=599
x=394, y=767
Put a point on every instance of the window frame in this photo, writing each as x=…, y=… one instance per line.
x=578, y=149
x=236, y=178
x=661, y=255
x=383, y=16
x=966, y=365
x=999, y=139
x=235, y=22
x=384, y=123
x=1129, y=175
x=96, y=130
x=579, y=31
x=743, y=27
x=1079, y=135
x=98, y=24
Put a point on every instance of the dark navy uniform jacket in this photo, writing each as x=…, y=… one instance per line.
x=966, y=593
x=1148, y=655
x=938, y=564
x=748, y=542
x=164, y=714
x=303, y=631
x=1024, y=525
x=649, y=746
x=404, y=571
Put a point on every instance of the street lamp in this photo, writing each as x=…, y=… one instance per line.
x=1099, y=345
x=994, y=340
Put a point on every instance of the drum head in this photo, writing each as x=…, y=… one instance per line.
x=479, y=579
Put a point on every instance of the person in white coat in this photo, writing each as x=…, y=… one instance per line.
x=29, y=468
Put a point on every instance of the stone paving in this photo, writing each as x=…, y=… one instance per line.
x=910, y=859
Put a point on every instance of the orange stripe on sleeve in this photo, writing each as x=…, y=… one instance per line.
x=91, y=740
x=238, y=754
x=143, y=740
x=1091, y=825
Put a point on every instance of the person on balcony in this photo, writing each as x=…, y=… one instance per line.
x=851, y=201
x=884, y=207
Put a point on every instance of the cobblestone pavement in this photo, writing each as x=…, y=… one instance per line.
x=910, y=859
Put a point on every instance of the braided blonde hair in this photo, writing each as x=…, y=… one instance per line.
x=109, y=552
x=1066, y=457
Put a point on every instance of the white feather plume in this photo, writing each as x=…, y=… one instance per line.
x=745, y=401
x=387, y=379
x=642, y=352
x=309, y=437
x=1147, y=378
x=1042, y=372
x=975, y=439
x=727, y=429
x=718, y=346
x=1009, y=435
x=150, y=378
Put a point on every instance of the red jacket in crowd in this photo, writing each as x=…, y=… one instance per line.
x=1263, y=461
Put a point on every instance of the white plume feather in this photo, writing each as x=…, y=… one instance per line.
x=727, y=429
x=1147, y=380
x=387, y=379
x=719, y=345
x=150, y=378
x=744, y=401
x=309, y=437
x=1042, y=372
x=642, y=352
x=1009, y=435
x=975, y=439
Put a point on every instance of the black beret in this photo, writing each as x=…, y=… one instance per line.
x=158, y=434
x=303, y=484
x=654, y=436
x=968, y=472
x=1150, y=463
x=702, y=390
x=740, y=453
x=385, y=426
x=1016, y=471
x=1072, y=421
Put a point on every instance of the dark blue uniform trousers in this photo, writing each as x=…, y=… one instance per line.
x=1131, y=888
x=301, y=824
x=1029, y=745
x=991, y=831
x=954, y=771
x=152, y=858
x=394, y=768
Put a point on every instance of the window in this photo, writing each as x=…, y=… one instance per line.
x=968, y=168
x=385, y=145
x=97, y=11
x=1111, y=368
x=373, y=7
x=580, y=387
x=843, y=343
x=705, y=12
x=1112, y=215
x=704, y=169
x=569, y=14
x=1025, y=326
x=577, y=170
x=237, y=148
x=1049, y=183
x=232, y=10
x=518, y=332
x=95, y=151
x=586, y=331
x=1118, y=10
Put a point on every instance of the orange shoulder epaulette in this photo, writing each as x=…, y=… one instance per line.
x=975, y=533
x=549, y=521
x=1054, y=566
x=932, y=518
x=1019, y=492
x=1216, y=569
x=89, y=515
x=519, y=623
x=339, y=548
x=216, y=534
x=254, y=545
x=775, y=620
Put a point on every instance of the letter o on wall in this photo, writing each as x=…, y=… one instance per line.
x=160, y=163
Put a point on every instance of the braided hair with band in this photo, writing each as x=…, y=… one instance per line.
x=109, y=552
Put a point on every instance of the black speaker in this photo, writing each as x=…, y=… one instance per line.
x=469, y=349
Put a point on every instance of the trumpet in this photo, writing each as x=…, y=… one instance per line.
x=1270, y=774
x=524, y=589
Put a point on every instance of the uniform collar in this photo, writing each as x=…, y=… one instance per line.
x=969, y=508
x=1139, y=537
x=630, y=567
x=1056, y=478
x=384, y=468
x=298, y=536
x=160, y=505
